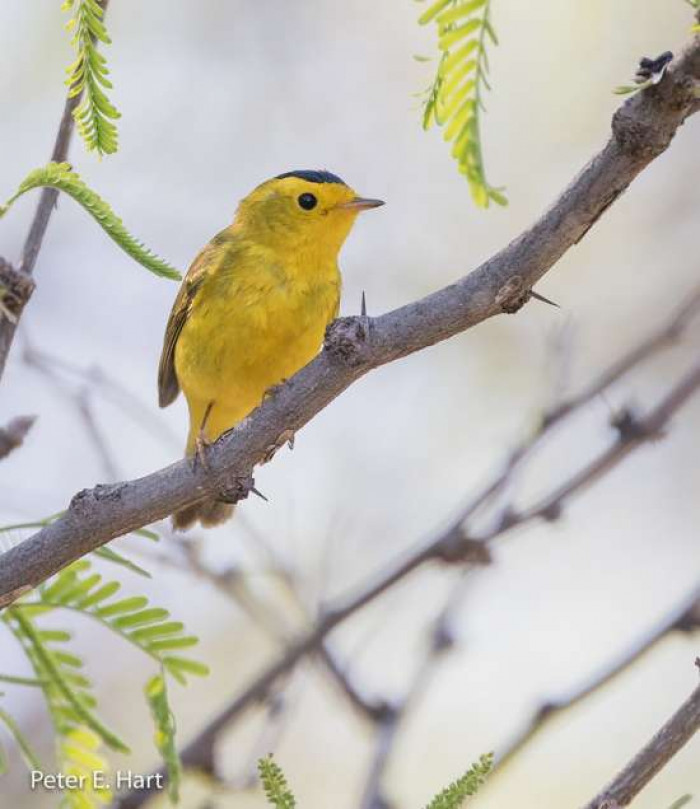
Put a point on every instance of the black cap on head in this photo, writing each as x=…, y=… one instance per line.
x=312, y=176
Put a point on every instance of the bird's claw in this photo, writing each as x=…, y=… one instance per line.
x=201, y=447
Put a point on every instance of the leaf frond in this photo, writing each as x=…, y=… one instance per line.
x=87, y=76
x=274, y=783
x=454, y=99
x=147, y=628
x=454, y=796
x=156, y=692
x=29, y=756
x=62, y=177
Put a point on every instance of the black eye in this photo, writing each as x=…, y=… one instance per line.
x=307, y=201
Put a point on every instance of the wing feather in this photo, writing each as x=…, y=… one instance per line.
x=168, y=384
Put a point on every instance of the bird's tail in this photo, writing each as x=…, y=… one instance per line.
x=208, y=513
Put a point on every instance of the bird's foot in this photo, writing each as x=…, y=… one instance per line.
x=285, y=437
x=201, y=448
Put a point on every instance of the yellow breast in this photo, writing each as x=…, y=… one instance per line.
x=256, y=319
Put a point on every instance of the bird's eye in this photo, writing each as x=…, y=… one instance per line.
x=307, y=201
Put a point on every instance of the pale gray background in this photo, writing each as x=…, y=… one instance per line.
x=217, y=96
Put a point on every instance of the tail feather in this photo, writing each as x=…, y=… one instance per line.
x=208, y=513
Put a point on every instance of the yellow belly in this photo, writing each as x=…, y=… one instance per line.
x=245, y=335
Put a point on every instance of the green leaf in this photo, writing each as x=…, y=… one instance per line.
x=179, y=666
x=157, y=696
x=454, y=101
x=62, y=177
x=454, y=796
x=433, y=11
x=130, y=604
x=680, y=802
x=141, y=617
x=146, y=534
x=30, y=681
x=459, y=11
x=173, y=643
x=87, y=74
x=116, y=558
x=48, y=666
x=28, y=755
x=275, y=784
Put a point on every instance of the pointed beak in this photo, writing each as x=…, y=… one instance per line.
x=360, y=204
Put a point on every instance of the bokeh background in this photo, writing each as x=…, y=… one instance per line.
x=217, y=96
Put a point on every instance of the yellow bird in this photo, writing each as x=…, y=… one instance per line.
x=254, y=306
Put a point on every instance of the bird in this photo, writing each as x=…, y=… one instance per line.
x=253, y=308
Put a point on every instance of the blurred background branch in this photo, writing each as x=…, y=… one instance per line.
x=464, y=546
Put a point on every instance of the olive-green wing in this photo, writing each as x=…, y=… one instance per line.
x=168, y=384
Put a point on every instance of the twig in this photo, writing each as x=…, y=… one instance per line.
x=37, y=230
x=684, y=618
x=388, y=726
x=12, y=436
x=642, y=129
x=677, y=732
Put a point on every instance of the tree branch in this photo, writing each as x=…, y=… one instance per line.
x=642, y=129
x=16, y=284
x=454, y=545
x=677, y=732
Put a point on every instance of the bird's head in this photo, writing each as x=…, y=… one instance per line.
x=302, y=210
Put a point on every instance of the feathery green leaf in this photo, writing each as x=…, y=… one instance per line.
x=157, y=696
x=87, y=75
x=62, y=177
x=29, y=756
x=454, y=99
x=275, y=784
x=454, y=796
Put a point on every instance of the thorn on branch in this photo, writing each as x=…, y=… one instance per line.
x=347, y=338
x=513, y=295
x=239, y=490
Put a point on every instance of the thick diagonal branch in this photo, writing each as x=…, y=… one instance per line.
x=642, y=129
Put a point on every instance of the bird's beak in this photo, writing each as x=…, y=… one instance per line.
x=360, y=204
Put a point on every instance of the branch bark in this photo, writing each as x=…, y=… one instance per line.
x=642, y=128
x=677, y=732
